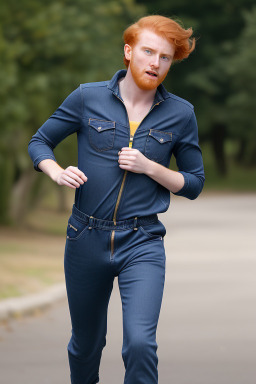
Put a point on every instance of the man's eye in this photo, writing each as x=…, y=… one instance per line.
x=147, y=51
x=165, y=58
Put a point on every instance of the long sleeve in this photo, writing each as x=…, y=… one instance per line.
x=189, y=160
x=63, y=122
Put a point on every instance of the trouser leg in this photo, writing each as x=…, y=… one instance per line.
x=141, y=284
x=89, y=282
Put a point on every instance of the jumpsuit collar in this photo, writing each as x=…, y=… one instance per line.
x=161, y=92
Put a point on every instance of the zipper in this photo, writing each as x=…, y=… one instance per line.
x=116, y=207
x=71, y=226
x=125, y=173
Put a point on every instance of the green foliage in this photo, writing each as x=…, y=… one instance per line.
x=47, y=49
x=219, y=76
x=241, y=101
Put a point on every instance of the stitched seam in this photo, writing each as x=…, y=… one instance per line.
x=43, y=155
x=82, y=105
x=107, y=121
x=147, y=150
x=185, y=126
x=80, y=234
x=87, y=117
x=100, y=149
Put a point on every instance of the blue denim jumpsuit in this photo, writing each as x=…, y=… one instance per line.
x=114, y=230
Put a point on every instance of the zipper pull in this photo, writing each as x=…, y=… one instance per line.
x=71, y=226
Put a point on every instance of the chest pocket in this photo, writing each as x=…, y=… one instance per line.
x=158, y=144
x=101, y=134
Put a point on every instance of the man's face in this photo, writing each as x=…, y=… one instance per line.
x=150, y=59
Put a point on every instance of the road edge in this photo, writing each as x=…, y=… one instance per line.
x=17, y=306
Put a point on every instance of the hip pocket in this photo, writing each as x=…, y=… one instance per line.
x=75, y=228
x=153, y=231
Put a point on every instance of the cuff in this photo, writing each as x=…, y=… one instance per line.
x=40, y=158
x=185, y=186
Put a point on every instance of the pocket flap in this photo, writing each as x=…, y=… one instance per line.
x=101, y=125
x=160, y=136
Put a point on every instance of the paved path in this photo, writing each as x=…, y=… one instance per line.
x=206, y=332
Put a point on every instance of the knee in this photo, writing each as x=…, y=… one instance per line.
x=85, y=348
x=139, y=347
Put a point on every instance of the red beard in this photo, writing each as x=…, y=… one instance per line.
x=143, y=80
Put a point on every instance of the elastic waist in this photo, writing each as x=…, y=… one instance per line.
x=109, y=224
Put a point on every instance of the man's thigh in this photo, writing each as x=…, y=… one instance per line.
x=141, y=284
x=89, y=282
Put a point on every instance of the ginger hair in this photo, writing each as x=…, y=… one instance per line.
x=166, y=28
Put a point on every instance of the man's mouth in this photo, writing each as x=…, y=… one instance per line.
x=153, y=74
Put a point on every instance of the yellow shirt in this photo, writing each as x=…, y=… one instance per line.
x=133, y=126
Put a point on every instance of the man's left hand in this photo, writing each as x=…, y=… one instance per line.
x=133, y=160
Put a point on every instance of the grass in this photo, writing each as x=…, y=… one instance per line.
x=30, y=261
x=31, y=256
x=48, y=221
x=238, y=178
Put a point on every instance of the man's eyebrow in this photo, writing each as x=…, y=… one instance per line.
x=152, y=49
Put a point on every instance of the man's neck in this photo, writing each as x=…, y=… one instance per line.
x=132, y=94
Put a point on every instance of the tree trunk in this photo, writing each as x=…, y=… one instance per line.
x=6, y=174
x=62, y=199
x=250, y=159
x=21, y=195
x=240, y=155
x=218, y=141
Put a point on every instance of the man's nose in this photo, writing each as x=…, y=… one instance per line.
x=155, y=61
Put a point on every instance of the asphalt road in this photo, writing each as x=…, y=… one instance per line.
x=206, y=331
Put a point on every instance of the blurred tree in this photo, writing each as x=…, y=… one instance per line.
x=47, y=49
x=242, y=100
x=202, y=78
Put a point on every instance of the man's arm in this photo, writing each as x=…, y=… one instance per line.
x=172, y=180
x=71, y=176
x=189, y=160
x=133, y=160
x=189, y=180
x=63, y=122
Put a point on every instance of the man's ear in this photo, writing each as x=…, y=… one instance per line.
x=127, y=51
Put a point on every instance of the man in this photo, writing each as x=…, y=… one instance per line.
x=127, y=130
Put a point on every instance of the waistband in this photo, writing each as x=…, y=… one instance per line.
x=109, y=224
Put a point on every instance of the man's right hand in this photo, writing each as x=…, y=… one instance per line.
x=72, y=177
